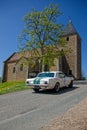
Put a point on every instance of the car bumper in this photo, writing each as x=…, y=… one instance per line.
x=39, y=86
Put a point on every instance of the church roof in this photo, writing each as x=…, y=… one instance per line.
x=70, y=29
x=16, y=56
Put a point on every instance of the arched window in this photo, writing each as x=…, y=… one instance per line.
x=67, y=39
x=14, y=69
x=21, y=67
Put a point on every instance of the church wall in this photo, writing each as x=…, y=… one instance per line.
x=14, y=73
x=56, y=66
x=71, y=57
x=10, y=75
x=79, y=67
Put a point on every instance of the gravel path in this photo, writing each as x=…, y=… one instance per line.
x=74, y=119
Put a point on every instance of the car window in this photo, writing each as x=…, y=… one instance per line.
x=61, y=75
x=57, y=75
x=46, y=75
x=41, y=75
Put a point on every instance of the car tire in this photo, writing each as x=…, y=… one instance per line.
x=71, y=84
x=36, y=90
x=57, y=87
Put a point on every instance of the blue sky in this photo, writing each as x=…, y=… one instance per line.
x=11, y=23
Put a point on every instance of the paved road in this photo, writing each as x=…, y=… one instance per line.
x=27, y=110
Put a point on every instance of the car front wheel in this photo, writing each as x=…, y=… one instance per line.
x=57, y=87
x=36, y=90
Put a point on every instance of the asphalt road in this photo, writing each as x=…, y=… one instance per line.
x=27, y=110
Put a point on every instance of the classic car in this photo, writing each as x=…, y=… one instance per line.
x=50, y=80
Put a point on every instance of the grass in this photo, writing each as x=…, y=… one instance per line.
x=9, y=87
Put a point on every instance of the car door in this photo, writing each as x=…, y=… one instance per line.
x=63, y=79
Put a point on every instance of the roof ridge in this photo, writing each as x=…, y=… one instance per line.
x=70, y=29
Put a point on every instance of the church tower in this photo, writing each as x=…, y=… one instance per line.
x=71, y=64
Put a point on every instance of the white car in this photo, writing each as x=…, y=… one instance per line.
x=50, y=80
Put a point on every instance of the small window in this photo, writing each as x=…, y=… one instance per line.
x=61, y=75
x=67, y=39
x=14, y=69
x=21, y=67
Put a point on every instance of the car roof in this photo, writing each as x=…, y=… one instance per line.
x=51, y=72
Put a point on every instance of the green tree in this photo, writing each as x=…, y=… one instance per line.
x=42, y=35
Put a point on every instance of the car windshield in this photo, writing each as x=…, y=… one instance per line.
x=46, y=75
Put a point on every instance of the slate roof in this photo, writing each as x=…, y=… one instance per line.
x=70, y=29
x=16, y=56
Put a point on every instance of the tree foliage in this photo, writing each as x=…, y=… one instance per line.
x=41, y=35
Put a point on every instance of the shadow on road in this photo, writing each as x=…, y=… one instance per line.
x=61, y=91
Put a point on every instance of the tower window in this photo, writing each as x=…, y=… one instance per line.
x=67, y=39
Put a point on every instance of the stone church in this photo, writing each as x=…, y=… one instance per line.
x=14, y=70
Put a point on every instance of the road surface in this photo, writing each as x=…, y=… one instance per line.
x=27, y=110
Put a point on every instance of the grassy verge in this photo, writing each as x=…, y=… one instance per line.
x=8, y=87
